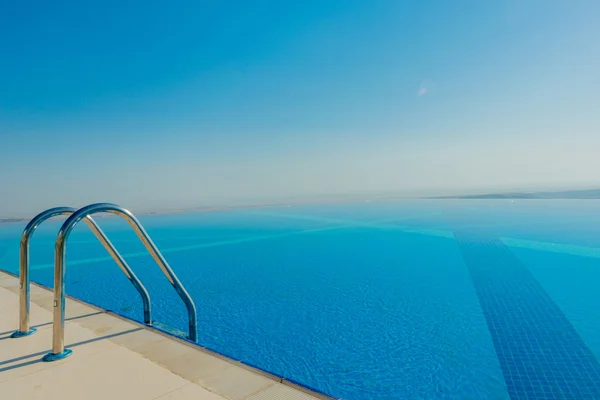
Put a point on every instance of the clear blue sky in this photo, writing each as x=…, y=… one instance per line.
x=174, y=104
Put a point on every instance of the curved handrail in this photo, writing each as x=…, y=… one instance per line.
x=24, y=280
x=58, y=348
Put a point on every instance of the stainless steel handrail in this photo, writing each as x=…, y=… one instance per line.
x=58, y=328
x=25, y=328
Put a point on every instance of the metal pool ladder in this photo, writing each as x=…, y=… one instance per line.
x=58, y=349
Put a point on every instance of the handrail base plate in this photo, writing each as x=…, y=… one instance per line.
x=19, y=334
x=55, y=357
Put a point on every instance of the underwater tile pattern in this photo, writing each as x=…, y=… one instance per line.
x=541, y=355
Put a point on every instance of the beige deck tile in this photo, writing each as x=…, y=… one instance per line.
x=236, y=383
x=163, y=350
x=115, y=374
x=195, y=365
x=38, y=294
x=143, y=338
x=73, y=309
x=106, y=324
x=8, y=281
x=280, y=392
x=12, y=288
x=190, y=392
x=9, y=313
x=23, y=356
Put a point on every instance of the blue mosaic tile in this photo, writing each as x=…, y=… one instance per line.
x=541, y=355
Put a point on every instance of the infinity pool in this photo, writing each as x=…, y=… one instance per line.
x=429, y=299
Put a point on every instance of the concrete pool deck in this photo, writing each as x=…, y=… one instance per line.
x=117, y=358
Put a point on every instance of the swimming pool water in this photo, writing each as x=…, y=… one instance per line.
x=430, y=299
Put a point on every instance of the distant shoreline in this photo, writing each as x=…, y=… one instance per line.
x=591, y=194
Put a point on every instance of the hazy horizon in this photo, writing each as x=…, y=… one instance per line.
x=163, y=107
x=325, y=198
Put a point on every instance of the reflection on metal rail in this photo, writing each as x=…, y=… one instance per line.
x=58, y=347
x=25, y=328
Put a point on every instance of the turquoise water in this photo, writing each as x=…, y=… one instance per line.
x=371, y=300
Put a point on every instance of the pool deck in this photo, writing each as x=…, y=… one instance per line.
x=117, y=358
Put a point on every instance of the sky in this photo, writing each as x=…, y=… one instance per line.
x=162, y=105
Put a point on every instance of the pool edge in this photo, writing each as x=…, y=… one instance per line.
x=169, y=363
